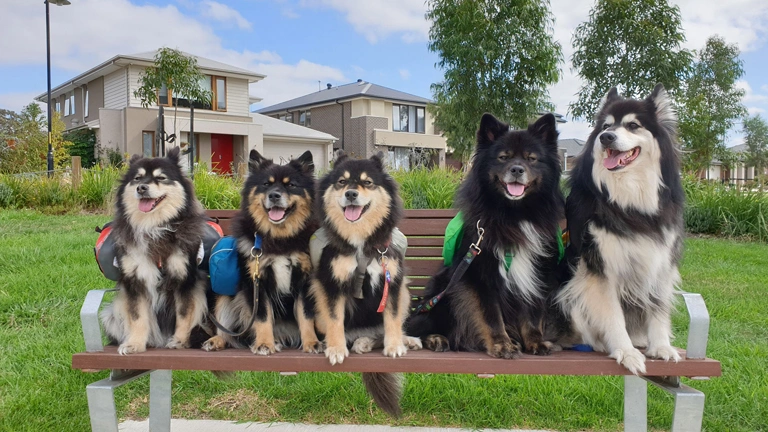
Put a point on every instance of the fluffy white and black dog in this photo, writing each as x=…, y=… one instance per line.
x=625, y=215
x=158, y=228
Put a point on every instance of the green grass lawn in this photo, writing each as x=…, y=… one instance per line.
x=47, y=266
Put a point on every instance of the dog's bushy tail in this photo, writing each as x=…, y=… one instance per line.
x=386, y=389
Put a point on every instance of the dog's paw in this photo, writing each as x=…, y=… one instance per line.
x=437, y=343
x=264, y=349
x=665, y=353
x=126, y=348
x=504, y=349
x=632, y=359
x=216, y=343
x=540, y=348
x=176, y=343
x=395, y=350
x=413, y=343
x=363, y=345
x=336, y=354
x=312, y=347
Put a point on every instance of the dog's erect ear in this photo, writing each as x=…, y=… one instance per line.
x=305, y=160
x=378, y=160
x=256, y=161
x=545, y=128
x=341, y=156
x=173, y=155
x=611, y=96
x=490, y=130
x=135, y=158
x=665, y=111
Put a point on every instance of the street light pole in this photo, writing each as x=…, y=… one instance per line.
x=48, y=52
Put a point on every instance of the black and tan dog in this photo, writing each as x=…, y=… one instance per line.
x=502, y=300
x=277, y=202
x=359, y=292
x=158, y=230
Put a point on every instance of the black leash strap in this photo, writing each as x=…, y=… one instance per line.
x=473, y=251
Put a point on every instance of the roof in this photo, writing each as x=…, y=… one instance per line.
x=572, y=146
x=741, y=148
x=272, y=127
x=345, y=92
x=146, y=59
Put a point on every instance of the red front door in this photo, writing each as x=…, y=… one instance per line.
x=221, y=153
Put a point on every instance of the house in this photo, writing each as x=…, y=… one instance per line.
x=737, y=173
x=102, y=98
x=569, y=148
x=369, y=118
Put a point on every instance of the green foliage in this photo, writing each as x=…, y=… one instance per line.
x=427, y=189
x=756, y=138
x=83, y=145
x=498, y=56
x=98, y=187
x=728, y=211
x=632, y=44
x=215, y=191
x=24, y=141
x=710, y=103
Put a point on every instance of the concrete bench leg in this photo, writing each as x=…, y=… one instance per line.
x=101, y=400
x=689, y=406
x=635, y=404
x=160, y=401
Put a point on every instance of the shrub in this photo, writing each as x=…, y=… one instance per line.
x=216, y=192
x=98, y=186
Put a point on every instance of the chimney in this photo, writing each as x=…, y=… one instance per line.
x=359, y=80
x=329, y=86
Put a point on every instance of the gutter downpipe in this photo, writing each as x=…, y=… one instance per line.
x=342, y=123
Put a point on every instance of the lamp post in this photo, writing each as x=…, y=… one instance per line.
x=48, y=52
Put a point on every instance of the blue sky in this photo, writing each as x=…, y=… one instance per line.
x=297, y=43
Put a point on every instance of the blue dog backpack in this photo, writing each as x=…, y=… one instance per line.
x=223, y=266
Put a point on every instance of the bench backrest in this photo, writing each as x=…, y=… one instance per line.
x=424, y=229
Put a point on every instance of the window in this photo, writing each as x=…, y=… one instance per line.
x=72, y=103
x=305, y=118
x=218, y=91
x=58, y=107
x=85, y=108
x=66, y=107
x=148, y=145
x=408, y=118
x=287, y=117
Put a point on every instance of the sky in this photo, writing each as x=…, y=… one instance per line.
x=303, y=44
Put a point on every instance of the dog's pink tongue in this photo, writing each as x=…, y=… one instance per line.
x=352, y=213
x=515, y=189
x=145, y=204
x=614, y=158
x=276, y=213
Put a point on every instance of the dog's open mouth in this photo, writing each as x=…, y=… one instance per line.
x=353, y=213
x=146, y=205
x=515, y=189
x=278, y=214
x=619, y=159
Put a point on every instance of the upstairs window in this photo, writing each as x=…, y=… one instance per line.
x=286, y=117
x=72, y=103
x=216, y=85
x=86, y=111
x=408, y=118
x=305, y=118
x=66, y=107
x=58, y=107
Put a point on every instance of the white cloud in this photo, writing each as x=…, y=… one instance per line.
x=89, y=32
x=404, y=73
x=224, y=14
x=378, y=19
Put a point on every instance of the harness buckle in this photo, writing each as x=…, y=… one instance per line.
x=476, y=245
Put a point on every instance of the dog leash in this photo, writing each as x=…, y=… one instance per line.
x=472, y=252
x=256, y=253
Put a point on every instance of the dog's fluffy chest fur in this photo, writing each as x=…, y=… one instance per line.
x=522, y=274
x=638, y=266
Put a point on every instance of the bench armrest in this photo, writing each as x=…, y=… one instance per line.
x=89, y=318
x=698, y=328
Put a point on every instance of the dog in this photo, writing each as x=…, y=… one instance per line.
x=359, y=293
x=158, y=227
x=512, y=197
x=276, y=205
x=625, y=216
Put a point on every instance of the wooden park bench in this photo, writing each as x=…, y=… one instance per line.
x=424, y=229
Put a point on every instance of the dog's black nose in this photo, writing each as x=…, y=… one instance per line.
x=142, y=189
x=275, y=196
x=351, y=194
x=607, y=138
x=517, y=170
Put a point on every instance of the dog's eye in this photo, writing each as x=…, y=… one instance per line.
x=633, y=126
x=137, y=178
x=606, y=126
x=531, y=158
x=503, y=157
x=342, y=182
x=266, y=183
x=161, y=178
x=367, y=183
x=291, y=185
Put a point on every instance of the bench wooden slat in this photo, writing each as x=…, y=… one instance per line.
x=424, y=361
x=423, y=252
x=422, y=267
x=414, y=241
x=423, y=227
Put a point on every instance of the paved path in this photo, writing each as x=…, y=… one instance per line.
x=226, y=426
